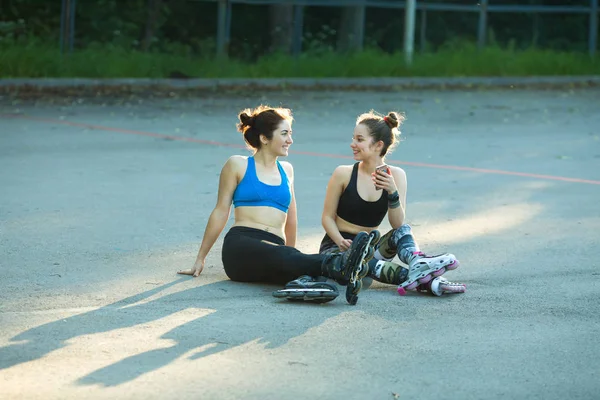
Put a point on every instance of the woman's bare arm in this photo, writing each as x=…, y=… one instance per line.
x=397, y=215
x=228, y=182
x=291, y=223
x=335, y=188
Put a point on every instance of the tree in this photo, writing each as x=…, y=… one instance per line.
x=281, y=17
x=352, y=29
x=153, y=8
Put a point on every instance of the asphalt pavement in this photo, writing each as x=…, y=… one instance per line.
x=103, y=199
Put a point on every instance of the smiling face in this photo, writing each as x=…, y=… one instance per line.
x=362, y=144
x=281, y=140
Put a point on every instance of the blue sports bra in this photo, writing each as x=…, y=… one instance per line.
x=251, y=192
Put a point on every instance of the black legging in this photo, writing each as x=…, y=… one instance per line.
x=252, y=255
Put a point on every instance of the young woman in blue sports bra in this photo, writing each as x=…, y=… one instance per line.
x=359, y=196
x=259, y=247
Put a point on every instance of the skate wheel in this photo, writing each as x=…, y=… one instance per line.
x=370, y=254
x=454, y=265
x=439, y=272
x=401, y=291
x=351, y=297
x=426, y=279
x=363, y=271
x=375, y=236
x=357, y=287
x=352, y=292
x=412, y=286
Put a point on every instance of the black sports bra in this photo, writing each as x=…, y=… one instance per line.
x=354, y=209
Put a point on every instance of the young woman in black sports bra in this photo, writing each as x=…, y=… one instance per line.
x=259, y=247
x=359, y=196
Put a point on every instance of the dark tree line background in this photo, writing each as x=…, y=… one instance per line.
x=187, y=26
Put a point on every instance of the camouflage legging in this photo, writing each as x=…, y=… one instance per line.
x=380, y=267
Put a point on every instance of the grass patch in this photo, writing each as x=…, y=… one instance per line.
x=35, y=60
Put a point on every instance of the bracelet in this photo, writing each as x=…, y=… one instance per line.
x=394, y=200
x=393, y=196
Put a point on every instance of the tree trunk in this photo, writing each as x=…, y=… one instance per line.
x=281, y=18
x=154, y=7
x=352, y=28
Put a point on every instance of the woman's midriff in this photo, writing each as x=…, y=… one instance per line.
x=268, y=219
x=345, y=226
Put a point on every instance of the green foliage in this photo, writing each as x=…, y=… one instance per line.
x=109, y=36
x=191, y=23
x=456, y=58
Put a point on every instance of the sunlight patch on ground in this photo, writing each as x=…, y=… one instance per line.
x=81, y=354
x=487, y=222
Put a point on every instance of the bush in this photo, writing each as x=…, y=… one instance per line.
x=34, y=58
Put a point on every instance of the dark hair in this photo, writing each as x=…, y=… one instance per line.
x=262, y=120
x=382, y=128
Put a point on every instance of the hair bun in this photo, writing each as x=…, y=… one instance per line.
x=392, y=120
x=246, y=119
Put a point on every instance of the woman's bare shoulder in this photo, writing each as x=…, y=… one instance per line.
x=397, y=171
x=287, y=166
x=342, y=171
x=341, y=175
x=236, y=165
x=237, y=161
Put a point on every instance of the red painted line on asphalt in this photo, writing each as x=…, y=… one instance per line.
x=307, y=153
x=120, y=130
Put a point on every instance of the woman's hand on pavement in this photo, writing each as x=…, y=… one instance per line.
x=195, y=270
